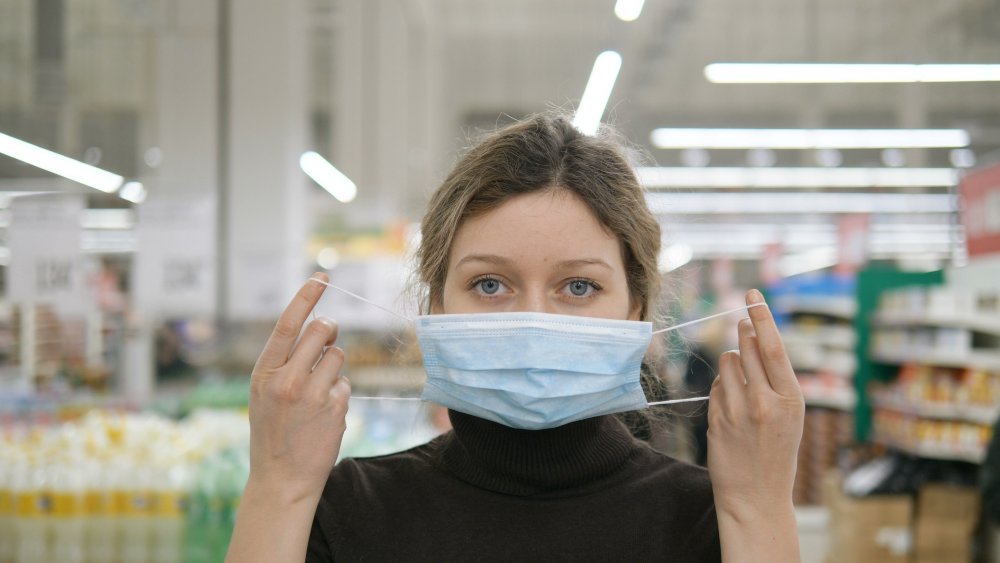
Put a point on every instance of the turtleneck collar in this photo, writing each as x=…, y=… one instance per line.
x=525, y=462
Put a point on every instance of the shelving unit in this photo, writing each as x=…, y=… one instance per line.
x=975, y=414
x=814, y=315
x=978, y=323
x=944, y=343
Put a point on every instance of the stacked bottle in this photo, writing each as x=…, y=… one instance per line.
x=122, y=488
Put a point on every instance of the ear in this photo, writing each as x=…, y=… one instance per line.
x=635, y=313
x=437, y=306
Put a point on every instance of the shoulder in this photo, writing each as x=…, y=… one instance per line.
x=360, y=473
x=685, y=478
x=682, y=499
x=370, y=487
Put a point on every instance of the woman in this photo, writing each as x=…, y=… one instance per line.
x=536, y=218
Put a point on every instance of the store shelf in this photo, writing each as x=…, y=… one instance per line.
x=935, y=451
x=978, y=323
x=842, y=399
x=976, y=414
x=844, y=307
x=976, y=360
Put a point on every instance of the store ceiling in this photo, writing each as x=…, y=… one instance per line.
x=517, y=57
x=521, y=56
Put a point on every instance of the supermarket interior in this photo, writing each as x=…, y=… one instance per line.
x=172, y=171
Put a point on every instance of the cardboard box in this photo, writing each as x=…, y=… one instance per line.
x=875, y=529
x=939, y=541
x=948, y=503
x=946, y=518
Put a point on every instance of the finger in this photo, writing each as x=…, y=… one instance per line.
x=340, y=392
x=731, y=377
x=777, y=367
x=327, y=370
x=286, y=330
x=319, y=334
x=753, y=366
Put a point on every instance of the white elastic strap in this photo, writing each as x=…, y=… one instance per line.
x=408, y=319
x=657, y=403
x=722, y=314
x=672, y=401
x=356, y=296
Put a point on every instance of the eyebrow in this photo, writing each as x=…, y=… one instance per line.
x=502, y=261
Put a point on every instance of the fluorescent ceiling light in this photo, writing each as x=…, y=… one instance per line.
x=133, y=191
x=628, y=10
x=328, y=177
x=797, y=177
x=798, y=73
x=668, y=138
x=795, y=238
x=60, y=165
x=797, y=203
x=598, y=91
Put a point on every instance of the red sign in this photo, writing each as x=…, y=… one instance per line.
x=980, y=192
x=852, y=243
x=770, y=263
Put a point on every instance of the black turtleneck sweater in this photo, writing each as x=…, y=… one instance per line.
x=586, y=491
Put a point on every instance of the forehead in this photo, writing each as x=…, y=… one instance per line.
x=538, y=227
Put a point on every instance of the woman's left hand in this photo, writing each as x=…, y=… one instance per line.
x=755, y=422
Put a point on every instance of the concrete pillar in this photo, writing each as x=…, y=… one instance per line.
x=386, y=107
x=183, y=126
x=186, y=101
x=263, y=200
x=912, y=114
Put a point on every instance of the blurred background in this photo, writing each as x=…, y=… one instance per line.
x=172, y=170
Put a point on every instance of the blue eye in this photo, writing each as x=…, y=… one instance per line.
x=582, y=288
x=489, y=286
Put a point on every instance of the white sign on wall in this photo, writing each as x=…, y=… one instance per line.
x=381, y=281
x=174, y=273
x=46, y=262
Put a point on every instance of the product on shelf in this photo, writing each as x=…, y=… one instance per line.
x=939, y=326
x=825, y=431
x=114, y=487
x=937, y=412
x=128, y=487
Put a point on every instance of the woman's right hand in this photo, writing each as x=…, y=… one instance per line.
x=298, y=401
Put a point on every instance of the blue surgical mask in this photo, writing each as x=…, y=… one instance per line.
x=534, y=370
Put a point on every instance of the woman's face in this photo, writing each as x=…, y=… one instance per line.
x=540, y=252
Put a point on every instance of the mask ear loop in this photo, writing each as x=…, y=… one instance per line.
x=359, y=298
x=696, y=321
x=682, y=325
x=408, y=319
x=387, y=310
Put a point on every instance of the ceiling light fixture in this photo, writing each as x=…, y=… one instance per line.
x=60, y=165
x=133, y=191
x=598, y=91
x=328, y=177
x=671, y=138
x=794, y=177
x=628, y=10
x=797, y=203
x=805, y=73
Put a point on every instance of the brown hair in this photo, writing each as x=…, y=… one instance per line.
x=537, y=154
